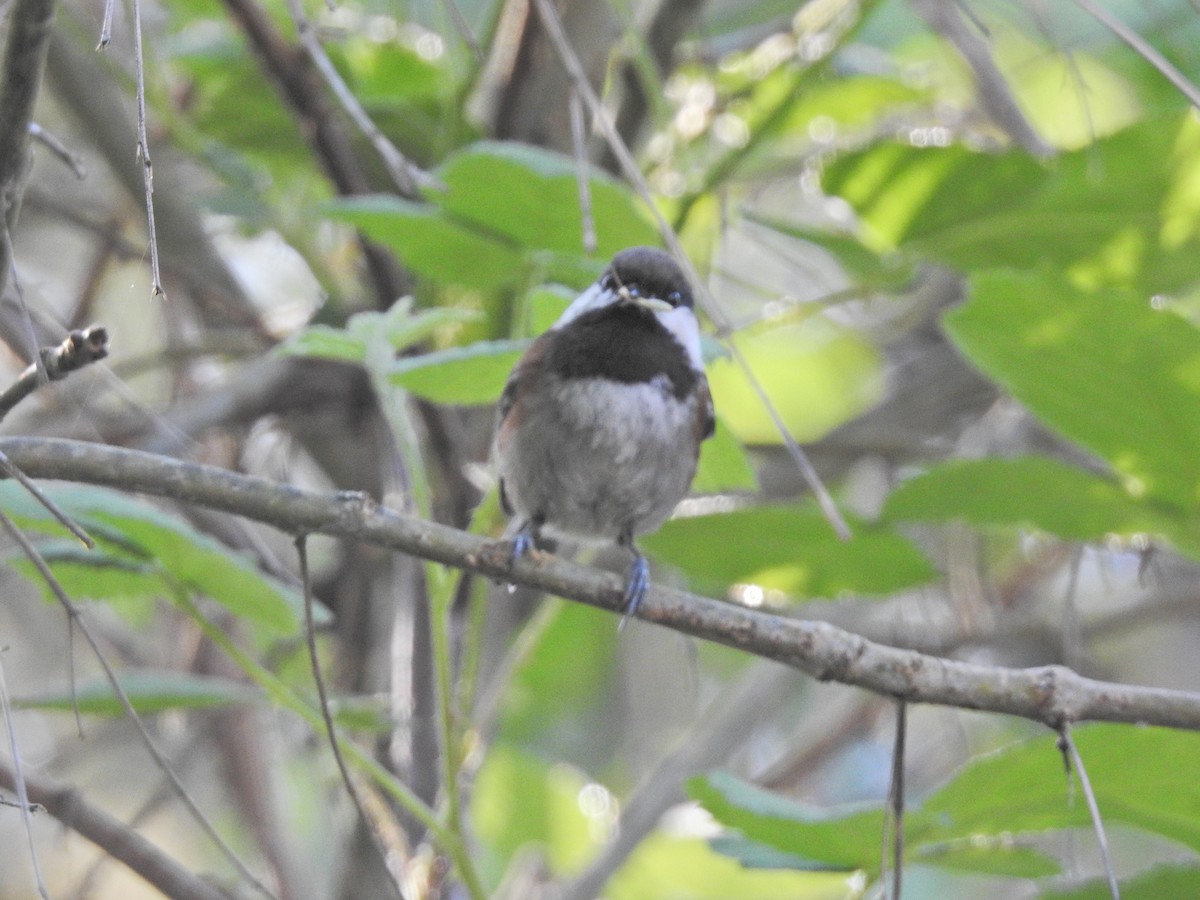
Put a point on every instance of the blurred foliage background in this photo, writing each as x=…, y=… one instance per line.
x=958, y=243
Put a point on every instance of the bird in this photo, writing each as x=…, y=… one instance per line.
x=600, y=423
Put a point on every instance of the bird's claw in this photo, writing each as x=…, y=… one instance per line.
x=637, y=583
x=522, y=544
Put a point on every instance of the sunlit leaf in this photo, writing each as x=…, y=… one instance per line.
x=467, y=376
x=788, y=549
x=1105, y=368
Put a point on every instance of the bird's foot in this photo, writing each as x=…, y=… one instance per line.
x=637, y=583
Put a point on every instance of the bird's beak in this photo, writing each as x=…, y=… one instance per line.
x=654, y=304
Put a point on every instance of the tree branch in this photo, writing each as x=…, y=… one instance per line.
x=20, y=79
x=1052, y=695
x=78, y=349
x=115, y=838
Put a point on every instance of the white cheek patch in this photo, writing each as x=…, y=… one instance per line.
x=681, y=322
x=593, y=298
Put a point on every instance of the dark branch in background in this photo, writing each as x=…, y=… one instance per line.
x=995, y=96
x=29, y=24
x=114, y=838
x=299, y=86
x=671, y=21
x=79, y=349
x=1052, y=695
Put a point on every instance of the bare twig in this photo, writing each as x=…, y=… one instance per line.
x=47, y=576
x=463, y=27
x=7, y=252
x=1073, y=759
x=79, y=349
x=1046, y=694
x=896, y=801
x=59, y=149
x=19, y=786
x=106, y=25
x=1142, y=48
x=53, y=508
x=408, y=178
x=143, y=152
x=579, y=142
x=629, y=168
x=310, y=633
x=116, y=839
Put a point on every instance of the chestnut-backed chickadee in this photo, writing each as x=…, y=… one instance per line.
x=600, y=424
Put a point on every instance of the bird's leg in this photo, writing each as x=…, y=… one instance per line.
x=637, y=582
x=527, y=538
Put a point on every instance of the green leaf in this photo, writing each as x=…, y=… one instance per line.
x=325, y=342
x=1032, y=492
x=431, y=244
x=845, y=839
x=1147, y=778
x=531, y=197
x=723, y=465
x=519, y=800
x=468, y=376
x=1158, y=883
x=149, y=692
x=1099, y=213
x=686, y=868
x=399, y=327
x=1104, y=368
x=144, y=533
x=789, y=549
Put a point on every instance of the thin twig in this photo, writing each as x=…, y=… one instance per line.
x=579, y=143
x=408, y=178
x=143, y=152
x=51, y=142
x=78, y=349
x=19, y=784
x=463, y=27
x=310, y=634
x=106, y=25
x=53, y=508
x=1142, y=48
x=47, y=576
x=1046, y=694
x=629, y=167
x=896, y=798
x=26, y=318
x=1073, y=759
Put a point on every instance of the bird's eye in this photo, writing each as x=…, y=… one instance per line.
x=608, y=282
x=675, y=298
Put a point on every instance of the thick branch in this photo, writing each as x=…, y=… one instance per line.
x=1048, y=694
x=20, y=79
x=114, y=837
